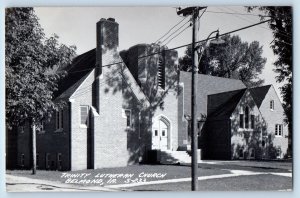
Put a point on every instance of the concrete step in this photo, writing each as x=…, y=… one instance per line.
x=172, y=157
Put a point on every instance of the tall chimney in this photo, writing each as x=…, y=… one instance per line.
x=107, y=43
x=107, y=40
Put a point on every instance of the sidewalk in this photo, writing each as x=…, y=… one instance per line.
x=25, y=184
x=287, y=165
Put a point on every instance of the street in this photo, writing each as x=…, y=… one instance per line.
x=212, y=176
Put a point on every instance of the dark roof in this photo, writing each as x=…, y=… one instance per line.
x=259, y=93
x=222, y=105
x=82, y=65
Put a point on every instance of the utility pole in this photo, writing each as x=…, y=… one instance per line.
x=194, y=12
x=33, y=139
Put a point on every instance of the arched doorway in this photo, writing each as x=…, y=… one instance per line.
x=161, y=133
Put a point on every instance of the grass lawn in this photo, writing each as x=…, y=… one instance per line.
x=171, y=171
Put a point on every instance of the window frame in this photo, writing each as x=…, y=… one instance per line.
x=246, y=117
x=37, y=160
x=252, y=121
x=59, y=117
x=47, y=161
x=86, y=125
x=128, y=120
x=242, y=121
x=279, y=130
x=272, y=105
x=22, y=160
x=59, y=161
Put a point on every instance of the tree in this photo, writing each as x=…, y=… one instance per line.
x=233, y=59
x=31, y=64
x=281, y=24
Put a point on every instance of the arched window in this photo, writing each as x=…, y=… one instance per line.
x=241, y=118
x=247, y=117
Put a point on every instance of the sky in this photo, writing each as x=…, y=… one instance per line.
x=77, y=26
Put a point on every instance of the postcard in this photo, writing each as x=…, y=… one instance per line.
x=149, y=98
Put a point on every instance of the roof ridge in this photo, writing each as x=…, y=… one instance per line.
x=210, y=76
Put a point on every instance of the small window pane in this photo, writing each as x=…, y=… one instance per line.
x=22, y=160
x=59, y=161
x=128, y=117
x=59, y=119
x=84, y=115
x=241, y=120
x=47, y=160
x=252, y=121
x=163, y=133
x=272, y=104
x=37, y=160
x=276, y=129
x=247, y=117
x=156, y=133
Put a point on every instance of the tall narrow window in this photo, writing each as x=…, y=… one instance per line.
x=84, y=116
x=22, y=160
x=37, y=160
x=59, y=161
x=252, y=121
x=247, y=117
x=279, y=130
x=128, y=117
x=47, y=160
x=59, y=119
x=140, y=120
x=272, y=105
x=241, y=118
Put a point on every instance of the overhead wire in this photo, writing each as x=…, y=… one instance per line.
x=181, y=46
x=170, y=30
x=175, y=32
x=251, y=21
x=234, y=13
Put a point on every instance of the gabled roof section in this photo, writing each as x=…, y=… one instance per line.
x=82, y=65
x=135, y=87
x=80, y=69
x=222, y=105
x=259, y=93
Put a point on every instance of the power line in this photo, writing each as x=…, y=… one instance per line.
x=181, y=46
x=243, y=28
x=237, y=13
x=170, y=29
x=251, y=21
x=177, y=34
x=175, y=31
